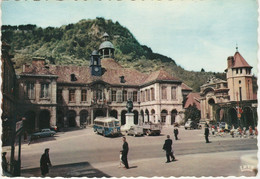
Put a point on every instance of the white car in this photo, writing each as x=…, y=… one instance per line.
x=135, y=131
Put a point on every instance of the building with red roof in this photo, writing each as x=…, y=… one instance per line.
x=232, y=101
x=68, y=96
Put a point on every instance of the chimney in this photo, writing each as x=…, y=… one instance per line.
x=230, y=62
x=38, y=61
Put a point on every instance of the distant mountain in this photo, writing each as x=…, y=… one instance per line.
x=73, y=44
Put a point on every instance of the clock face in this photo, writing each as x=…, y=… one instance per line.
x=96, y=69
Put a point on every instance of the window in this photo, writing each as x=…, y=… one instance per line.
x=148, y=95
x=83, y=95
x=73, y=77
x=98, y=95
x=241, y=70
x=44, y=90
x=164, y=92
x=124, y=95
x=113, y=95
x=119, y=96
x=237, y=71
x=72, y=95
x=142, y=96
x=135, y=96
x=138, y=96
x=152, y=94
x=59, y=95
x=30, y=90
x=130, y=95
x=174, y=92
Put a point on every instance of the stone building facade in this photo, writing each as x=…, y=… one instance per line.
x=231, y=101
x=69, y=96
x=8, y=89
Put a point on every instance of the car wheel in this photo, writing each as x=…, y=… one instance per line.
x=185, y=128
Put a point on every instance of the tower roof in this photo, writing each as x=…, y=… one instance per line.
x=106, y=44
x=105, y=35
x=239, y=61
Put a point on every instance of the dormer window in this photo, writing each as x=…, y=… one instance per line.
x=73, y=77
x=122, y=79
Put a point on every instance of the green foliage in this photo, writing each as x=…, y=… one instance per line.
x=192, y=113
x=73, y=44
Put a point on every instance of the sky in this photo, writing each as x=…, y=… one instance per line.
x=195, y=33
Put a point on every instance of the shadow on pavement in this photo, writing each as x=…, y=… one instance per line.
x=132, y=167
x=82, y=169
x=43, y=139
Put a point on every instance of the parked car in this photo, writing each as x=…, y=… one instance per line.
x=43, y=133
x=191, y=125
x=136, y=131
x=152, y=128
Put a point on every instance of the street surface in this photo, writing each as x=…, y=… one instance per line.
x=81, y=153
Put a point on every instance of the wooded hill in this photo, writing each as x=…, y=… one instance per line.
x=72, y=44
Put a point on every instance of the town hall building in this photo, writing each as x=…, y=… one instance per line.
x=70, y=96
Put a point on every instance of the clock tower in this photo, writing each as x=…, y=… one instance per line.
x=95, y=64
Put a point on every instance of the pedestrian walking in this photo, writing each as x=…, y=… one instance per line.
x=45, y=162
x=4, y=162
x=206, y=133
x=168, y=148
x=176, y=132
x=213, y=130
x=124, y=153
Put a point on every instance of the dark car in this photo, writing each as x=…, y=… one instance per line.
x=191, y=125
x=43, y=133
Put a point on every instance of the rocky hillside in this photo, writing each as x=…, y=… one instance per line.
x=73, y=44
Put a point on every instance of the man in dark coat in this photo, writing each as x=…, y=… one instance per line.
x=168, y=148
x=44, y=162
x=176, y=132
x=124, y=153
x=4, y=162
x=206, y=133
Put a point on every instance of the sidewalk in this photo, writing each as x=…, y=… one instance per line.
x=214, y=164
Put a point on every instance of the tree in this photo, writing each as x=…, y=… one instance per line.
x=192, y=113
x=202, y=70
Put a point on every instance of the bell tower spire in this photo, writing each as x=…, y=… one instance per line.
x=106, y=49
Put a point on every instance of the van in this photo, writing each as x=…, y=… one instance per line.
x=107, y=126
